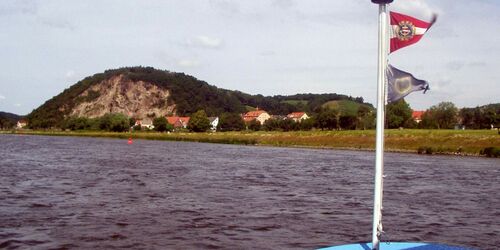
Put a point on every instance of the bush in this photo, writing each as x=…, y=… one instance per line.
x=160, y=124
x=115, y=122
x=231, y=122
x=491, y=152
x=425, y=150
x=254, y=125
x=199, y=122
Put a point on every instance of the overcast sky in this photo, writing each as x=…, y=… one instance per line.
x=266, y=47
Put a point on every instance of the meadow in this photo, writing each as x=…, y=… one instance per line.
x=425, y=141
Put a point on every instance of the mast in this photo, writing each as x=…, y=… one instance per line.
x=379, y=153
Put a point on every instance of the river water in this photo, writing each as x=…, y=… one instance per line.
x=94, y=193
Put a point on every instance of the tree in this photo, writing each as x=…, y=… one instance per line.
x=6, y=123
x=366, y=118
x=307, y=124
x=199, y=122
x=230, y=122
x=327, y=119
x=347, y=122
x=271, y=125
x=441, y=116
x=131, y=121
x=398, y=114
x=160, y=124
x=114, y=122
x=254, y=125
x=288, y=125
x=77, y=123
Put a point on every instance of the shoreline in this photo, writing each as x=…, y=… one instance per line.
x=416, y=141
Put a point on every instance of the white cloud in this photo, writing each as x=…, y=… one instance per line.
x=19, y=7
x=57, y=24
x=188, y=63
x=2, y=97
x=205, y=42
x=284, y=4
x=18, y=105
x=70, y=74
x=417, y=8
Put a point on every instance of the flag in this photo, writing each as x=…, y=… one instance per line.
x=407, y=30
x=401, y=83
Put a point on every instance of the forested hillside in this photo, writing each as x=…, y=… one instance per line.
x=186, y=93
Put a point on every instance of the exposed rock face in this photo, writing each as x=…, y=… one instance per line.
x=120, y=95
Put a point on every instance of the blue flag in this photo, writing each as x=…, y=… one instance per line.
x=401, y=83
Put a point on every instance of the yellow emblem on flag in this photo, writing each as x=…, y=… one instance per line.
x=405, y=30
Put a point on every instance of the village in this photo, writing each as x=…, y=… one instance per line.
x=259, y=116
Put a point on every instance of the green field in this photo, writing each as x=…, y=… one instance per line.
x=465, y=142
x=345, y=107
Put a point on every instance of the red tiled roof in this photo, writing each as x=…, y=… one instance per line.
x=248, y=119
x=177, y=121
x=295, y=115
x=172, y=119
x=254, y=114
x=417, y=114
x=184, y=119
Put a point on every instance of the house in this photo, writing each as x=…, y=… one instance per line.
x=21, y=124
x=297, y=116
x=214, y=121
x=145, y=123
x=178, y=121
x=260, y=115
x=417, y=116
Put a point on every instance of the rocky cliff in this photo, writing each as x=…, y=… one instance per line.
x=118, y=94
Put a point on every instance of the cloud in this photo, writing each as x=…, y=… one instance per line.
x=70, y=74
x=18, y=105
x=205, y=42
x=268, y=53
x=283, y=4
x=24, y=7
x=455, y=65
x=57, y=24
x=225, y=6
x=2, y=97
x=417, y=8
x=188, y=63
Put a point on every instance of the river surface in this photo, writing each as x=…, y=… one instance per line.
x=94, y=193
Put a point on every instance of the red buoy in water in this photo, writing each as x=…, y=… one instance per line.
x=130, y=140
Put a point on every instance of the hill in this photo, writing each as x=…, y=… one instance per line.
x=8, y=120
x=141, y=92
x=346, y=107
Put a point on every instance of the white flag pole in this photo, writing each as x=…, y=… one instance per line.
x=379, y=153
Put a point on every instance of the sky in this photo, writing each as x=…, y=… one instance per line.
x=268, y=47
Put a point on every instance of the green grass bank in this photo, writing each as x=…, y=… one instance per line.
x=463, y=142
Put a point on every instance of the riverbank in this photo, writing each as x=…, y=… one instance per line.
x=460, y=142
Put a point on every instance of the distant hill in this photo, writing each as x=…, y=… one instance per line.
x=141, y=92
x=8, y=120
x=346, y=107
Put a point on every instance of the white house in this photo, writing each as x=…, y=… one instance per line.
x=297, y=116
x=21, y=124
x=214, y=121
x=145, y=123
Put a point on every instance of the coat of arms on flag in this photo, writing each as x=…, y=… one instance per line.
x=407, y=30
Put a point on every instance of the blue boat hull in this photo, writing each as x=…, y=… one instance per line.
x=397, y=246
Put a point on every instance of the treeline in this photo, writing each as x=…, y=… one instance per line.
x=444, y=115
x=187, y=93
